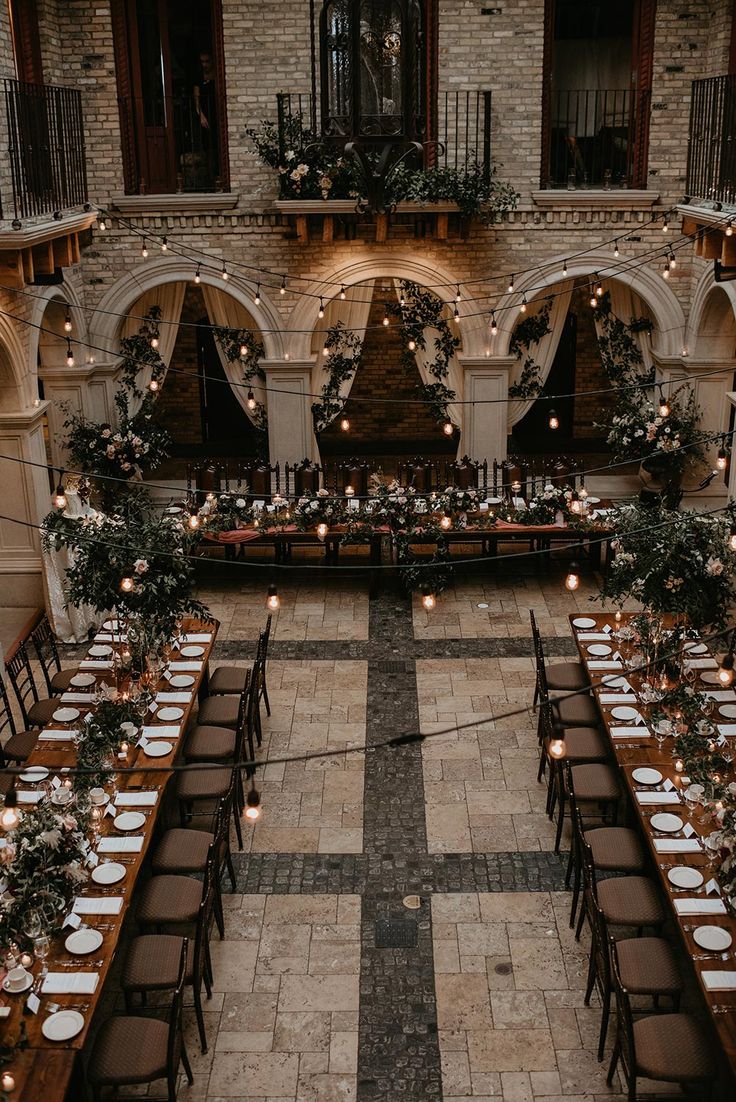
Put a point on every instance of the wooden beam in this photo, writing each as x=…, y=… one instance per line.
x=28, y=265
x=328, y=229
x=712, y=245
x=381, y=228
x=689, y=227
x=443, y=225
x=75, y=249
x=62, y=252
x=728, y=252
x=302, y=229
x=11, y=270
x=43, y=258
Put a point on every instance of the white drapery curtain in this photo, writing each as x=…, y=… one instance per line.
x=224, y=310
x=169, y=297
x=545, y=351
x=353, y=312
x=426, y=356
x=625, y=305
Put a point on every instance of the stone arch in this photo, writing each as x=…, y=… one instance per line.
x=49, y=311
x=711, y=329
x=106, y=321
x=666, y=312
x=18, y=388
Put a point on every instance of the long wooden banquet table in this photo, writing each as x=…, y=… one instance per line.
x=635, y=746
x=39, y=1070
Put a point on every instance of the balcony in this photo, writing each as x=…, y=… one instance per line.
x=711, y=155
x=591, y=136
x=436, y=193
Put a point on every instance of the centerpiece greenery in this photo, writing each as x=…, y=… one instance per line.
x=344, y=349
x=243, y=346
x=113, y=721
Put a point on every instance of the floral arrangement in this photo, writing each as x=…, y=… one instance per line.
x=317, y=508
x=43, y=863
x=638, y=431
x=228, y=512
x=672, y=561
x=114, y=719
x=344, y=349
x=456, y=500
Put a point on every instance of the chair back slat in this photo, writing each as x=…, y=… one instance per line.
x=624, y=1016
x=19, y=671
x=44, y=644
x=175, y=1040
x=7, y=723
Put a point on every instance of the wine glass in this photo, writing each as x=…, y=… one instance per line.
x=41, y=947
x=33, y=927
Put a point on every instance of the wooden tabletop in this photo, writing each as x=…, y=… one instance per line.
x=632, y=752
x=154, y=774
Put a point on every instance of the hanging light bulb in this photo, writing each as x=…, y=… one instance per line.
x=593, y=298
x=251, y=400
x=153, y=385
x=665, y=223
x=557, y=748
x=402, y=300
x=666, y=271
x=615, y=249
x=456, y=316
x=725, y=670
x=572, y=581
x=448, y=428
x=194, y=520
x=58, y=498
x=386, y=319
x=257, y=298
x=154, y=342
x=564, y=267
x=345, y=424
x=722, y=458
x=144, y=249
x=494, y=326
x=253, y=804
x=243, y=350
x=164, y=244
x=598, y=288
x=672, y=261
x=445, y=522
x=664, y=408
x=197, y=276
x=511, y=285
x=68, y=321
x=127, y=584
x=522, y=308
x=412, y=345
x=325, y=351
x=458, y=296
x=342, y=292
x=428, y=598
x=101, y=222
x=729, y=229
x=273, y=601
x=224, y=273
x=10, y=817
x=554, y=421
x=321, y=311
x=282, y=288
x=69, y=354
x=732, y=538
x=322, y=529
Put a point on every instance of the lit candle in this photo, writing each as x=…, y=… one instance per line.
x=349, y=491
x=124, y=748
x=67, y=782
x=7, y=1082
x=96, y=814
x=516, y=486
x=679, y=765
x=26, y=960
x=617, y=617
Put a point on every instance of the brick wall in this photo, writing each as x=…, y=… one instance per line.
x=179, y=401
x=588, y=370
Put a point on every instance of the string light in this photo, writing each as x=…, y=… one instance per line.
x=282, y=288
x=153, y=385
x=598, y=287
x=251, y=400
x=127, y=584
x=554, y=421
x=664, y=408
x=522, y=308
x=402, y=300
x=458, y=296
x=164, y=244
x=572, y=581
x=722, y=458
x=144, y=249
x=253, y=803
x=68, y=321
x=321, y=311
x=564, y=267
x=345, y=424
x=445, y=522
x=325, y=351
x=224, y=272
x=101, y=222
x=197, y=276
x=666, y=270
x=729, y=229
x=69, y=353
x=386, y=319
x=511, y=285
x=273, y=601
x=428, y=598
x=342, y=292
x=59, y=499
x=456, y=316
x=672, y=261
x=10, y=817
x=615, y=249
x=412, y=345
x=448, y=428
x=243, y=351
x=665, y=223
x=154, y=342
x=593, y=298
x=494, y=326
x=257, y=297
x=322, y=529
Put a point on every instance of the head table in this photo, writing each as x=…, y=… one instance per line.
x=636, y=746
x=43, y=1069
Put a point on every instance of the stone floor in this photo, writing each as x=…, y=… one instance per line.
x=327, y=987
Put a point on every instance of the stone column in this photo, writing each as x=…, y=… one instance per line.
x=485, y=425
x=26, y=498
x=712, y=396
x=731, y=398
x=290, y=428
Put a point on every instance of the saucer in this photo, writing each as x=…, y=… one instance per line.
x=18, y=990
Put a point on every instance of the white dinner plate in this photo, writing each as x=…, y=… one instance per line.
x=714, y=938
x=35, y=774
x=593, y=500
x=181, y=680
x=18, y=990
x=100, y=650
x=192, y=652
x=728, y=711
x=108, y=872
x=696, y=648
x=129, y=820
x=623, y=711
x=615, y=683
x=82, y=680
x=83, y=941
x=65, y=715
x=63, y=1025
x=158, y=749
x=111, y=625
x=644, y=775
x=666, y=823
x=168, y=714
x=494, y=500
x=682, y=876
x=584, y=622
x=710, y=677
x=173, y=510
x=599, y=648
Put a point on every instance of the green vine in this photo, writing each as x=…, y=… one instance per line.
x=529, y=332
x=419, y=310
x=233, y=342
x=344, y=349
x=620, y=353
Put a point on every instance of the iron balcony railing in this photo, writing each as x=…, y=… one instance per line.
x=461, y=138
x=591, y=137
x=167, y=149
x=46, y=147
x=711, y=154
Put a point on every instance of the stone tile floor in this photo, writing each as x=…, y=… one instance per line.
x=307, y=1007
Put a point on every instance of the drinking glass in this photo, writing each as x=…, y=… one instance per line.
x=41, y=946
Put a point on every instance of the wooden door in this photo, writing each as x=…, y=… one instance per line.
x=642, y=55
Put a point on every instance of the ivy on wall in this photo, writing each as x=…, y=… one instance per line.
x=344, y=349
x=419, y=310
x=527, y=333
x=233, y=342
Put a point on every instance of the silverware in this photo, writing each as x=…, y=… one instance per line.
x=724, y=1009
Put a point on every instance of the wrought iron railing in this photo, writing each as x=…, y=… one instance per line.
x=168, y=149
x=711, y=154
x=591, y=138
x=461, y=138
x=46, y=147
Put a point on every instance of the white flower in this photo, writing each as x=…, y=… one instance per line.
x=240, y=502
x=106, y=434
x=714, y=567
x=323, y=492
x=51, y=838
x=140, y=566
x=110, y=451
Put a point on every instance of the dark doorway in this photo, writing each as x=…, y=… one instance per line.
x=226, y=427
x=532, y=433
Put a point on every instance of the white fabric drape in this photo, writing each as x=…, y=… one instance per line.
x=224, y=310
x=426, y=356
x=71, y=624
x=625, y=305
x=545, y=351
x=169, y=297
x=353, y=312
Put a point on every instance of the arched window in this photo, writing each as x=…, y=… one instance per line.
x=375, y=63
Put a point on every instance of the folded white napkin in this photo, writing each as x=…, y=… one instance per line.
x=196, y=637
x=700, y=907
x=726, y=728
x=132, y=844
x=107, y=637
x=702, y=663
x=28, y=797
x=630, y=732
x=725, y=696
x=94, y=664
x=677, y=845
x=173, y=698
x=136, y=799
x=98, y=905
x=658, y=797
x=605, y=664
x=591, y=636
x=719, y=981
x=185, y=667
x=163, y=731
x=617, y=698
x=70, y=983
x=77, y=698
x=50, y=735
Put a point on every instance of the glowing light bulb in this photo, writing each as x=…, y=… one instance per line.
x=257, y=297
x=564, y=267
x=243, y=351
x=282, y=288
x=572, y=581
x=325, y=351
x=59, y=499
x=321, y=311
x=511, y=285
x=456, y=316
x=224, y=273
x=664, y=409
x=522, y=308
x=144, y=249
x=428, y=598
x=593, y=301
x=729, y=229
x=273, y=601
x=448, y=428
x=342, y=292
x=458, y=296
x=666, y=271
x=127, y=584
x=253, y=805
x=386, y=319
x=412, y=346
x=445, y=522
x=153, y=385
x=69, y=354
x=68, y=322
x=725, y=670
x=345, y=424
x=102, y=223
x=557, y=748
x=665, y=224
x=10, y=816
x=154, y=342
x=599, y=289
x=322, y=530
x=722, y=459
x=251, y=400
x=494, y=326
x=615, y=250
x=554, y=421
x=194, y=521
x=164, y=244
x=197, y=276
x=673, y=261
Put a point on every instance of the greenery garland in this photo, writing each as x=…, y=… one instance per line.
x=344, y=350
x=529, y=332
x=419, y=310
x=232, y=342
